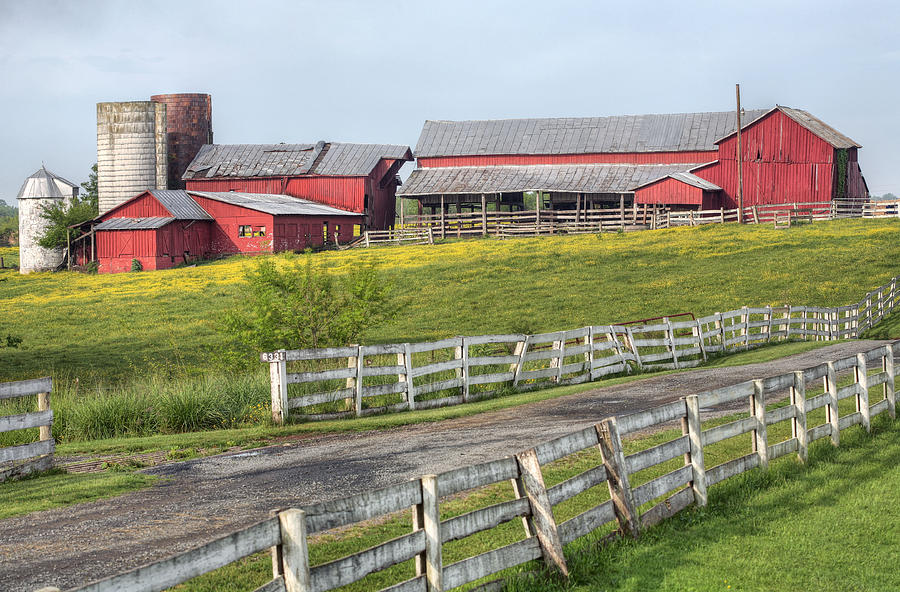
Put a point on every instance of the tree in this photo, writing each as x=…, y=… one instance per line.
x=299, y=306
x=9, y=224
x=63, y=214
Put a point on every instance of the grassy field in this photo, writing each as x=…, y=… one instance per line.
x=115, y=327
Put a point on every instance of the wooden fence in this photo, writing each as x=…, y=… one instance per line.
x=36, y=456
x=361, y=380
x=630, y=509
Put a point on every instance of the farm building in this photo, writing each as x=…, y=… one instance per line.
x=683, y=161
x=162, y=228
x=360, y=178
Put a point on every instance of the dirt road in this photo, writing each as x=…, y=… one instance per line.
x=205, y=498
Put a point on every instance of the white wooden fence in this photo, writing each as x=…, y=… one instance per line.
x=631, y=508
x=36, y=456
x=362, y=380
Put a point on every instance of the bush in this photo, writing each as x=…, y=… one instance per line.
x=136, y=265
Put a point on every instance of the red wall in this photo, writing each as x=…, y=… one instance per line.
x=144, y=206
x=672, y=191
x=159, y=248
x=227, y=218
x=599, y=158
x=295, y=233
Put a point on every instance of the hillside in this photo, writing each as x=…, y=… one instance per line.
x=113, y=326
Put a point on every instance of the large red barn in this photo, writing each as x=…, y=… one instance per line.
x=684, y=161
x=162, y=228
x=359, y=178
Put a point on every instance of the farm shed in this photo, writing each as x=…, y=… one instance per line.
x=360, y=178
x=162, y=228
x=684, y=161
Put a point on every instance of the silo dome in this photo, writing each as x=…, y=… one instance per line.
x=43, y=188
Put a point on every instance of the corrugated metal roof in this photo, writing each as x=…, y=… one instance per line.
x=39, y=185
x=579, y=135
x=278, y=160
x=575, y=178
x=133, y=223
x=810, y=122
x=274, y=204
x=695, y=181
x=180, y=204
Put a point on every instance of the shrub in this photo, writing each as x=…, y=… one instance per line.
x=136, y=265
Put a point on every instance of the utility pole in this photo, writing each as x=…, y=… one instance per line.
x=740, y=167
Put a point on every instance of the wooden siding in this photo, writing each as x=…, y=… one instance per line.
x=227, y=218
x=596, y=158
x=142, y=206
x=160, y=248
x=676, y=193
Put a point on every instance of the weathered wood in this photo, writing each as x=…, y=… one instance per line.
x=656, y=415
x=777, y=383
x=483, y=519
x=295, y=551
x=476, y=379
x=727, y=394
x=303, y=377
x=620, y=491
x=45, y=432
x=819, y=431
x=352, y=568
x=169, y=572
x=24, y=388
x=731, y=468
x=23, y=421
x=384, y=389
x=26, y=451
x=475, y=568
x=695, y=434
x=383, y=370
x=656, y=487
x=276, y=585
x=887, y=366
x=455, y=364
x=428, y=346
x=442, y=385
x=556, y=449
x=781, y=448
x=668, y=507
x=658, y=454
x=798, y=424
x=461, y=353
x=587, y=522
x=493, y=360
x=478, y=475
x=758, y=410
x=362, y=506
x=879, y=407
x=577, y=484
x=431, y=524
x=317, y=398
x=862, y=395
x=541, y=511
x=729, y=430
x=779, y=414
x=278, y=384
x=850, y=420
x=322, y=353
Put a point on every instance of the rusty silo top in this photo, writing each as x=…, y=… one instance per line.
x=188, y=127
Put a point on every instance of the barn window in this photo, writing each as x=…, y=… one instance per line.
x=245, y=231
x=357, y=230
x=325, y=231
x=259, y=231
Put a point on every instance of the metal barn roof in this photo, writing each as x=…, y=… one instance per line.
x=277, y=160
x=810, y=122
x=44, y=183
x=133, y=223
x=579, y=135
x=180, y=204
x=575, y=178
x=274, y=204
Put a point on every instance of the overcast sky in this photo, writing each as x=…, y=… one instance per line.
x=374, y=71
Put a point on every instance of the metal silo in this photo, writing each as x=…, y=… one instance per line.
x=131, y=150
x=43, y=188
x=188, y=126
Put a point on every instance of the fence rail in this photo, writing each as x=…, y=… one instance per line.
x=362, y=380
x=36, y=456
x=629, y=509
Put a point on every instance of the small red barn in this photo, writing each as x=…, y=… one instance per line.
x=359, y=178
x=161, y=228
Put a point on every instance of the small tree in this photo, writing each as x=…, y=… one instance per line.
x=300, y=306
x=63, y=214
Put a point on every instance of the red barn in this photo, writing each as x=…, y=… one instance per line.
x=359, y=178
x=161, y=228
x=684, y=161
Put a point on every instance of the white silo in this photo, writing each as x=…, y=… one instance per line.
x=132, y=153
x=43, y=188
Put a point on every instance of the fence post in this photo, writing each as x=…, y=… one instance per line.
x=617, y=477
x=405, y=359
x=557, y=362
x=351, y=381
x=589, y=354
x=462, y=353
x=670, y=337
x=798, y=424
x=720, y=325
x=522, y=349
x=46, y=432
x=698, y=332
x=862, y=392
x=633, y=348
x=760, y=437
x=541, y=510
x=294, y=551
x=278, y=379
x=358, y=395
x=831, y=410
x=519, y=491
x=787, y=330
x=694, y=431
x=367, y=239
x=427, y=516
x=745, y=332
x=769, y=316
x=887, y=365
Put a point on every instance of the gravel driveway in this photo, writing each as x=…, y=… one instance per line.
x=209, y=497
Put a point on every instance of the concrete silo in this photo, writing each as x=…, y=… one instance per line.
x=188, y=127
x=132, y=153
x=43, y=188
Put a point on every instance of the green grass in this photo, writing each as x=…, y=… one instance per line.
x=55, y=489
x=840, y=503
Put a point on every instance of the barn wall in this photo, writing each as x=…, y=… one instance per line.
x=117, y=248
x=346, y=193
x=669, y=191
x=227, y=218
x=295, y=233
x=144, y=206
x=607, y=157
